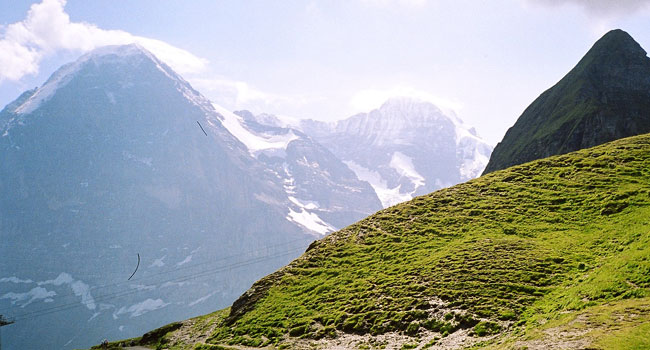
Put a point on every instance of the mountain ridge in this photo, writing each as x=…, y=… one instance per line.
x=105, y=161
x=404, y=148
x=544, y=254
x=603, y=98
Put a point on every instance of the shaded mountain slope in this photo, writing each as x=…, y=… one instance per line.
x=512, y=259
x=604, y=98
x=323, y=190
x=105, y=161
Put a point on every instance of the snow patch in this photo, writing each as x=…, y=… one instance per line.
x=141, y=308
x=310, y=221
x=185, y=261
x=388, y=196
x=254, y=142
x=14, y=279
x=472, y=150
x=304, y=217
x=158, y=262
x=36, y=293
x=201, y=299
x=473, y=167
x=59, y=79
x=62, y=278
x=309, y=205
x=173, y=284
x=79, y=288
x=82, y=290
x=403, y=164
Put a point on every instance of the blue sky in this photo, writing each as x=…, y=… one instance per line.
x=486, y=60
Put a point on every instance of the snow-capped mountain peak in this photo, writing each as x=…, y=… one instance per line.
x=408, y=106
x=404, y=148
x=131, y=54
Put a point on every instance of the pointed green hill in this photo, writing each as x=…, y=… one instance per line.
x=604, y=98
x=519, y=257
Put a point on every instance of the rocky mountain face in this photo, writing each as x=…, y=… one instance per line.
x=551, y=254
x=405, y=148
x=117, y=164
x=326, y=195
x=117, y=156
x=604, y=98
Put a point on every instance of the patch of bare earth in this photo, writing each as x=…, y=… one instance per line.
x=558, y=338
x=425, y=340
x=576, y=334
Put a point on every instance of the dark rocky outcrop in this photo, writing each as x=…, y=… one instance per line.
x=604, y=98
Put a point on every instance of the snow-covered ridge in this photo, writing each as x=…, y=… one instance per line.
x=473, y=150
x=254, y=142
x=395, y=139
x=132, y=53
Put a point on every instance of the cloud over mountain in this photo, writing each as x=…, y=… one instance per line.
x=47, y=29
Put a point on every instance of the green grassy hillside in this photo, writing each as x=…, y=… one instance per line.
x=520, y=258
x=605, y=97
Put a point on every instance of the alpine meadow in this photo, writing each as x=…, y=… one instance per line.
x=324, y=175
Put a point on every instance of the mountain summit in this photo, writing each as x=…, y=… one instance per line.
x=405, y=148
x=605, y=97
x=117, y=156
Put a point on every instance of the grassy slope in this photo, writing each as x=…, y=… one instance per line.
x=539, y=248
x=584, y=106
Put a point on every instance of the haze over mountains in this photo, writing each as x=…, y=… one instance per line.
x=405, y=148
x=106, y=161
x=117, y=156
x=549, y=254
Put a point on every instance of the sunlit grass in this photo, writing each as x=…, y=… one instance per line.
x=516, y=251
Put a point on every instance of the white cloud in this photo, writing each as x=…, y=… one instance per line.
x=601, y=8
x=235, y=94
x=47, y=29
x=369, y=99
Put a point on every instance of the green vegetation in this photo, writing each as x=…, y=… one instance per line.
x=575, y=113
x=557, y=234
x=557, y=243
x=620, y=324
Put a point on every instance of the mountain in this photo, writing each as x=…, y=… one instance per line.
x=544, y=255
x=117, y=164
x=326, y=194
x=603, y=98
x=405, y=148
